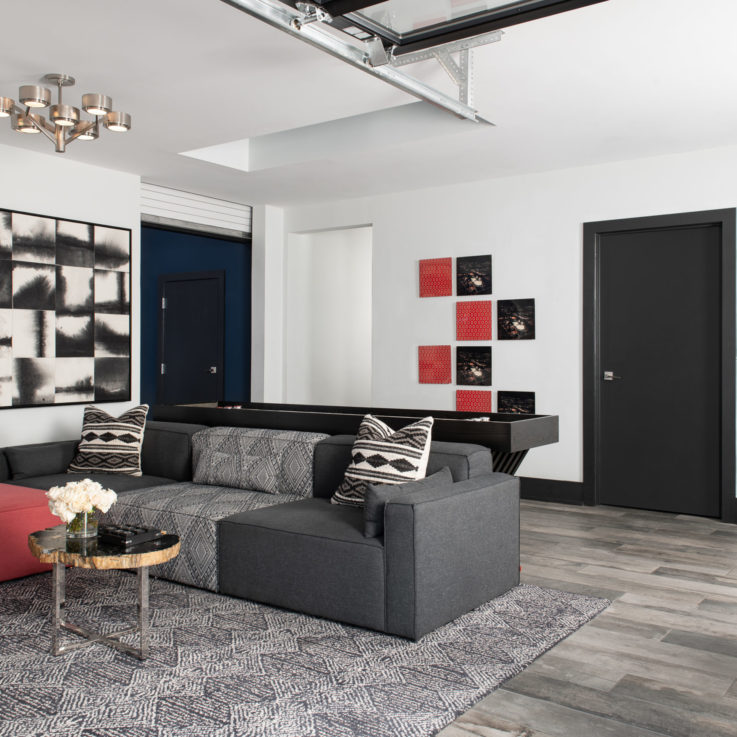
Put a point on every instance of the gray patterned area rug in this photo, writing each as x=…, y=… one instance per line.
x=223, y=667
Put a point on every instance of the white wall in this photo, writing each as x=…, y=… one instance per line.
x=532, y=225
x=49, y=184
x=328, y=318
x=267, y=305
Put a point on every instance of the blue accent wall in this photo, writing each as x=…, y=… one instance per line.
x=173, y=252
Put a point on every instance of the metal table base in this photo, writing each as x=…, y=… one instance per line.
x=111, y=639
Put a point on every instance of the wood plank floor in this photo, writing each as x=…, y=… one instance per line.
x=661, y=660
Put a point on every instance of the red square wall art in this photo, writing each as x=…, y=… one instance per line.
x=473, y=401
x=473, y=320
x=435, y=366
x=436, y=277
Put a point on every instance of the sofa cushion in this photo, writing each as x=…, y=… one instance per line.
x=191, y=511
x=40, y=459
x=118, y=482
x=274, y=461
x=378, y=496
x=309, y=556
x=167, y=449
x=110, y=444
x=384, y=456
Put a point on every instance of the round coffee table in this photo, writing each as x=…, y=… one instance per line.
x=52, y=546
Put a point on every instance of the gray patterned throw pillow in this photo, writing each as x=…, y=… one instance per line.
x=110, y=444
x=381, y=455
x=274, y=461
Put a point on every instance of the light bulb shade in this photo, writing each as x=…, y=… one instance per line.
x=95, y=104
x=118, y=122
x=90, y=134
x=23, y=123
x=64, y=115
x=6, y=107
x=32, y=95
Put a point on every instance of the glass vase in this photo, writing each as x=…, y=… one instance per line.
x=84, y=525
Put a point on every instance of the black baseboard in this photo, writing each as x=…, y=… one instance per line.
x=549, y=490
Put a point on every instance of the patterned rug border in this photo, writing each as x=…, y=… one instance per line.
x=226, y=667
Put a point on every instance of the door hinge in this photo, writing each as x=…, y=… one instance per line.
x=163, y=303
x=163, y=369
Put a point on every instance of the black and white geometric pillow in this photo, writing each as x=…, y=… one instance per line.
x=110, y=444
x=381, y=455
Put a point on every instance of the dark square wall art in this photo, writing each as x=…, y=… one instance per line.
x=473, y=366
x=516, y=403
x=473, y=275
x=65, y=311
x=515, y=319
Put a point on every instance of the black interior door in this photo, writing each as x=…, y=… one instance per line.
x=660, y=335
x=191, y=342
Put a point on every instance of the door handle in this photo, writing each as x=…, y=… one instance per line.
x=610, y=376
x=212, y=370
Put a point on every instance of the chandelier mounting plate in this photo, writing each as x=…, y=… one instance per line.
x=62, y=80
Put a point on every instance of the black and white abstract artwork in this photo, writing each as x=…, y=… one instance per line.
x=112, y=249
x=75, y=336
x=33, y=381
x=73, y=380
x=112, y=379
x=6, y=236
x=65, y=331
x=74, y=244
x=6, y=334
x=6, y=283
x=34, y=239
x=34, y=286
x=33, y=334
x=112, y=292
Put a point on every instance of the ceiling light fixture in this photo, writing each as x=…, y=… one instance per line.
x=65, y=123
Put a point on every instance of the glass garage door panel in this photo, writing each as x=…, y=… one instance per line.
x=406, y=16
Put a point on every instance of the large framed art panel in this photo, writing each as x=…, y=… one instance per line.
x=65, y=311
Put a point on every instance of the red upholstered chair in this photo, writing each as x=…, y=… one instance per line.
x=22, y=511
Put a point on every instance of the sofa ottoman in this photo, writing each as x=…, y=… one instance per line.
x=308, y=555
x=192, y=511
x=22, y=511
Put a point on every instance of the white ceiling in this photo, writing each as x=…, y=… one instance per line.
x=621, y=79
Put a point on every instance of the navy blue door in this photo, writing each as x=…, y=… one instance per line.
x=191, y=337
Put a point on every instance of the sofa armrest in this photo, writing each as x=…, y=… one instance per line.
x=448, y=550
x=167, y=449
x=39, y=459
x=4, y=469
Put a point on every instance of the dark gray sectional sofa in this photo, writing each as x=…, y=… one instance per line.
x=444, y=550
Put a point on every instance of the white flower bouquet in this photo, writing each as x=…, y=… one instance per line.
x=78, y=497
